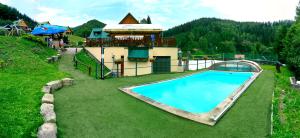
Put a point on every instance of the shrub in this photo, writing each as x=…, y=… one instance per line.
x=3, y=32
x=34, y=39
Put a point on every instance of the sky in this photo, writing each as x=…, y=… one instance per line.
x=167, y=13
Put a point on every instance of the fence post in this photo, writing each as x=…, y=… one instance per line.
x=90, y=70
x=136, y=67
x=76, y=64
x=223, y=57
x=197, y=63
x=205, y=63
x=117, y=70
x=96, y=73
x=102, y=62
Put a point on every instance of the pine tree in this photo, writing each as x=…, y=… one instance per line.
x=298, y=13
x=148, y=20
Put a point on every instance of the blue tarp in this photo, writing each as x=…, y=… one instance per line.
x=47, y=29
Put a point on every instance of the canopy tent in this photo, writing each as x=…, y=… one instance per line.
x=48, y=29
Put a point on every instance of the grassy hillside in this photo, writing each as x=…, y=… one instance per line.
x=75, y=39
x=22, y=77
x=85, y=29
x=87, y=61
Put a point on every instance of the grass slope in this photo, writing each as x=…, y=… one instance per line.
x=20, y=85
x=85, y=61
x=75, y=39
x=96, y=108
x=286, y=106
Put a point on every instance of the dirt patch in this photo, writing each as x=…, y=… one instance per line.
x=281, y=107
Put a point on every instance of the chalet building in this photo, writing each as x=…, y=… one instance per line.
x=131, y=48
x=21, y=24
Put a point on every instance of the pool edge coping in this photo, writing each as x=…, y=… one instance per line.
x=209, y=118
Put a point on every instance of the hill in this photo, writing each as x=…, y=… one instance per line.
x=85, y=29
x=212, y=35
x=10, y=14
x=22, y=77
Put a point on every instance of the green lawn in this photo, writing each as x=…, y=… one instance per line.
x=20, y=85
x=75, y=39
x=96, y=108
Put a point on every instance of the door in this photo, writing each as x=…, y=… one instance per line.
x=162, y=64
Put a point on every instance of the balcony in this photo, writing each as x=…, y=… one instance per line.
x=144, y=42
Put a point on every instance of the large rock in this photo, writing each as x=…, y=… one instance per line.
x=46, y=89
x=55, y=58
x=49, y=60
x=67, y=81
x=47, y=110
x=47, y=130
x=59, y=56
x=55, y=85
x=48, y=98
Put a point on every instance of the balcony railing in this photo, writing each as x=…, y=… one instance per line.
x=162, y=42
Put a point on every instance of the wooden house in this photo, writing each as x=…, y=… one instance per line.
x=134, y=49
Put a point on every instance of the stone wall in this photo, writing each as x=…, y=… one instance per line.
x=49, y=128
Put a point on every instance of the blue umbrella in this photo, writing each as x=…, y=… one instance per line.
x=48, y=30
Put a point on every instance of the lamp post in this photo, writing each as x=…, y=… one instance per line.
x=102, y=62
x=180, y=57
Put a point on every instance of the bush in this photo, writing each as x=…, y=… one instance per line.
x=3, y=32
x=80, y=43
x=34, y=39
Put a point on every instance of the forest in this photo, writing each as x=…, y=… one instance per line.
x=10, y=14
x=212, y=35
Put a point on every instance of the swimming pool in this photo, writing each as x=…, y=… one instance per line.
x=201, y=97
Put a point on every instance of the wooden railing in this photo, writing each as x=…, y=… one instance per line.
x=162, y=42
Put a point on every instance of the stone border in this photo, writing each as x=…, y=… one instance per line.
x=49, y=128
x=54, y=58
x=209, y=118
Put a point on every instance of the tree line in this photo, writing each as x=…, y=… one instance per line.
x=9, y=14
x=212, y=35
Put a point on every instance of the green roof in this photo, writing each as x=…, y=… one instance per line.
x=98, y=33
x=138, y=52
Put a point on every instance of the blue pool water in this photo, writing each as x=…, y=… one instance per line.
x=198, y=93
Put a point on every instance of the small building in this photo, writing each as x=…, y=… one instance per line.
x=98, y=33
x=131, y=48
x=69, y=31
x=21, y=24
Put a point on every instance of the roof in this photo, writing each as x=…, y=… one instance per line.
x=69, y=29
x=133, y=28
x=46, y=22
x=95, y=35
x=129, y=19
x=20, y=23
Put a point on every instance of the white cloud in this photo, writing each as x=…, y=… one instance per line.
x=4, y=1
x=60, y=17
x=253, y=10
